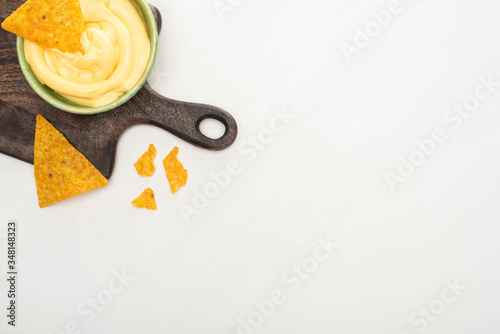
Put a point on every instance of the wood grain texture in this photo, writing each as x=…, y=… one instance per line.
x=95, y=136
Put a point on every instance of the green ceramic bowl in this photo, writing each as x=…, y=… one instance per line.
x=62, y=103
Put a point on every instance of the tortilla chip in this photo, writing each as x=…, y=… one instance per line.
x=176, y=174
x=144, y=165
x=60, y=170
x=52, y=24
x=146, y=200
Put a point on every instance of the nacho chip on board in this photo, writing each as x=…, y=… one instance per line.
x=144, y=164
x=61, y=171
x=146, y=200
x=176, y=174
x=52, y=24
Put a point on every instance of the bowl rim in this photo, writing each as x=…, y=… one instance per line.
x=60, y=102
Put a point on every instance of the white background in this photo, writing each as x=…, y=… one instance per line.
x=322, y=176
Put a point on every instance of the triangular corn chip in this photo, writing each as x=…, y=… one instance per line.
x=144, y=165
x=146, y=200
x=60, y=170
x=176, y=174
x=52, y=24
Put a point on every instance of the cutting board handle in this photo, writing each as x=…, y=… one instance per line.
x=182, y=118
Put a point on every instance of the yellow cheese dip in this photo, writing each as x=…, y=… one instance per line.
x=116, y=49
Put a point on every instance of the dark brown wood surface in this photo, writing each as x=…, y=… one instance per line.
x=95, y=136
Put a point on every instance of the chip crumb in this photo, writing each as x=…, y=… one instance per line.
x=176, y=174
x=61, y=171
x=144, y=164
x=146, y=200
x=52, y=24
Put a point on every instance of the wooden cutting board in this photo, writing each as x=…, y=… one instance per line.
x=95, y=136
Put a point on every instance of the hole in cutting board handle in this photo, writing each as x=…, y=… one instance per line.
x=212, y=128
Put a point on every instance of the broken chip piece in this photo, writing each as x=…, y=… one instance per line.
x=61, y=171
x=52, y=24
x=146, y=200
x=176, y=174
x=144, y=164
